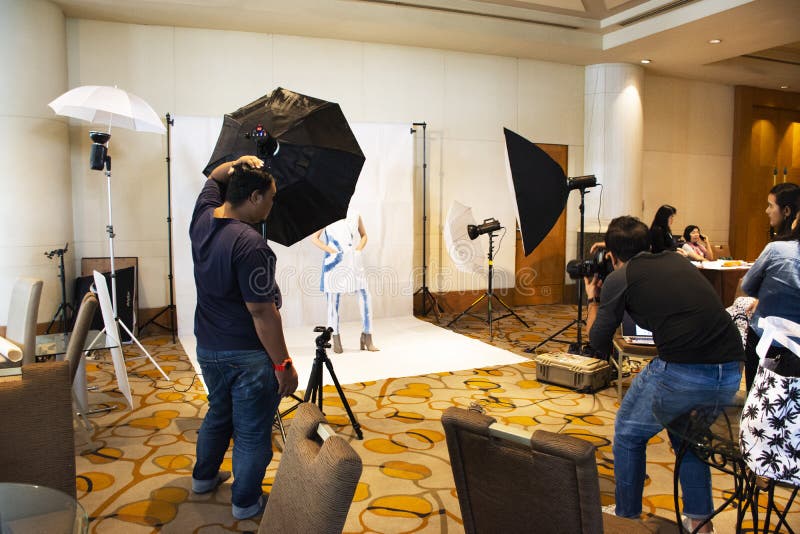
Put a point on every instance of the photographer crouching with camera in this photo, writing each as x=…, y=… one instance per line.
x=699, y=355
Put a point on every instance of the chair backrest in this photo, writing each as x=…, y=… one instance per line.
x=23, y=312
x=77, y=340
x=504, y=486
x=37, y=440
x=315, y=482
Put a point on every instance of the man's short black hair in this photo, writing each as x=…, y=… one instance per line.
x=244, y=180
x=626, y=237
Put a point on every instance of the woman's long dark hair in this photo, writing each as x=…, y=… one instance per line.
x=787, y=195
x=662, y=217
x=792, y=234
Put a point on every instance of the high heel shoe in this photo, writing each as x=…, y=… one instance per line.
x=366, y=343
x=337, y=344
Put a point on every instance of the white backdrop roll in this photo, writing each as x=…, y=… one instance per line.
x=383, y=197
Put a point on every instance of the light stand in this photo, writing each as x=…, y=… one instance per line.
x=64, y=307
x=100, y=160
x=314, y=387
x=579, y=322
x=489, y=295
x=170, y=308
x=427, y=297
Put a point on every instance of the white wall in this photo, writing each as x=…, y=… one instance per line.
x=465, y=99
x=688, y=145
x=35, y=201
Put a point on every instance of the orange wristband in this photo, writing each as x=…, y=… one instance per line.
x=286, y=364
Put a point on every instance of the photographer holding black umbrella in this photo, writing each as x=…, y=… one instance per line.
x=240, y=344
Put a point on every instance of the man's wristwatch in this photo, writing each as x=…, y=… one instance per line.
x=286, y=364
x=596, y=299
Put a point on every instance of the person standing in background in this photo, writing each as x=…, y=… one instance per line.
x=774, y=279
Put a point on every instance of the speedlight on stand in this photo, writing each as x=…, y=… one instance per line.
x=490, y=297
x=579, y=323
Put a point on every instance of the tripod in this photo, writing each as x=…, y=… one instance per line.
x=65, y=309
x=170, y=308
x=111, y=235
x=427, y=297
x=314, y=387
x=579, y=323
x=489, y=295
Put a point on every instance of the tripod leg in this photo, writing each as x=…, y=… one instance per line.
x=462, y=314
x=314, y=388
x=53, y=320
x=512, y=312
x=353, y=420
x=144, y=350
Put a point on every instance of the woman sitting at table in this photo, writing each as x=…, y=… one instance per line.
x=697, y=246
x=661, y=237
x=774, y=279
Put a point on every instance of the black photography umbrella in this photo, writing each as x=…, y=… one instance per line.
x=540, y=187
x=308, y=147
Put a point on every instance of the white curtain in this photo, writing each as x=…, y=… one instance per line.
x=383, y=197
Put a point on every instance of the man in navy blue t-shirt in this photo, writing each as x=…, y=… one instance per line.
x=240, y=345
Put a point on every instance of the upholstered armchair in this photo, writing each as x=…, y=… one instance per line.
x=315, y=481
x=36, y=433
x=510, y=481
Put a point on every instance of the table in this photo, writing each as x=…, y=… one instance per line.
x=48, y=345
x=55, y=345
x=709, y=427
x=29, y=509
x=724, y=279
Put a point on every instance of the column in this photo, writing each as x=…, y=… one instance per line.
x=36, y=203
x=613, y=138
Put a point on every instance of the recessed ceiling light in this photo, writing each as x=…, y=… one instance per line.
x=714, y=41
x=645, y=61
x=784, y=86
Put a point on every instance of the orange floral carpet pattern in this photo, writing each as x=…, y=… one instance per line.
x=139, y=479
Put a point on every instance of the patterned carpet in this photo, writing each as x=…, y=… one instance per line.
x=139, y=480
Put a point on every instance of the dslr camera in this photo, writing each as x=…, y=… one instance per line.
x=598, y=265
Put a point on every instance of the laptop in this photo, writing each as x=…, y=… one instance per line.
x=634, y=334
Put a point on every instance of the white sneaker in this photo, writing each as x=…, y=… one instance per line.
x=610, y=509
x=687, y=525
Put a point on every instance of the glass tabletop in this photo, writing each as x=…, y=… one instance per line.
x=30, y=509
x=55, y=344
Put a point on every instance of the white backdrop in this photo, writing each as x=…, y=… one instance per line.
x=383, y=197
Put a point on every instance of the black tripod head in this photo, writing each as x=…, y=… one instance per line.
x=58, y=252
x=323, y=340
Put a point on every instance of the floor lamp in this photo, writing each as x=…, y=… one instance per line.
x=427, y=297
x=170, y=308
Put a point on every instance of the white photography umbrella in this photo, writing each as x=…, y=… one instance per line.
x=110, y=106
x=465, y=252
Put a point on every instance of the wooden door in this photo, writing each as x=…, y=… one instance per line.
x=540, y=276
x=789, y=148
x=764, y=144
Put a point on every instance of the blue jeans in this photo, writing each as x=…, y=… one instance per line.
x=242, y=400
x=678, y=387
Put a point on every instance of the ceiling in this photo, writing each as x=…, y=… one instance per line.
x=760, y=38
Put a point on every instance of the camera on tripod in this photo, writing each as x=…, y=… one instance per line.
x=599, y=264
